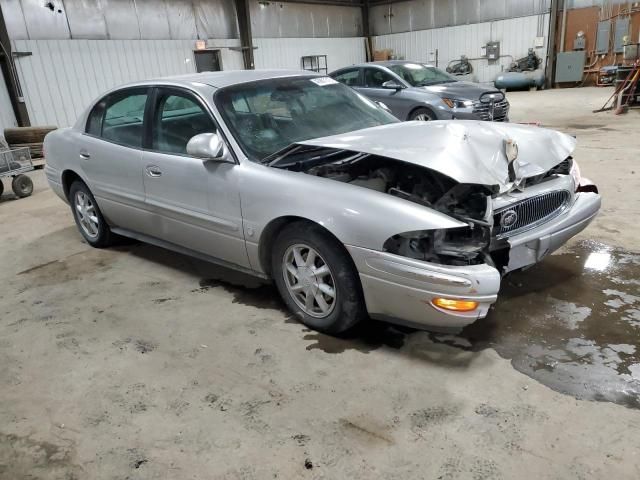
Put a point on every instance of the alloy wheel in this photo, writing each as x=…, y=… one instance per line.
x=87, y=215
x=309, y=280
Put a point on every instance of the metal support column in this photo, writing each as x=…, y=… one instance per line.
x=244, y=25
x=365, y=30
x=550, y=71
x=10, y=76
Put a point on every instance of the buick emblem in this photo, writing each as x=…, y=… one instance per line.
x=508, y=219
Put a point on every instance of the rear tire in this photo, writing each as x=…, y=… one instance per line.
x=422, y=114
x=1, y=188
x=22, y=186
x=317, y=279
x=89, y=219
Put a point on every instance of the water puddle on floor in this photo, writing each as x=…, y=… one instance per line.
x=571, y=322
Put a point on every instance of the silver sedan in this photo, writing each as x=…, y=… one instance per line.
x=296, y=178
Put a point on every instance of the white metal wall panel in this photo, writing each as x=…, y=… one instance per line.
x=61, y=77
x=286, y=52
x=516, y=36
x=7, y=118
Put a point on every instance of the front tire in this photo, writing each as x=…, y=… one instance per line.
x=422, y=114
x=317, y=279
x=89, y=219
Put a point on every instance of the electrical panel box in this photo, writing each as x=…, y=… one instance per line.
x=602, y=39
x=569, y=66
x=492, y=51
x=621, y=30
x=579, y=43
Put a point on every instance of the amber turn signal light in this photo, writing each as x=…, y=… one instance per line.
x=455, y=305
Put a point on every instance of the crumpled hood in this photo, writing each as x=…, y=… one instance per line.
x=467, y=151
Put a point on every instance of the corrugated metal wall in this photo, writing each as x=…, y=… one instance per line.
x=426, y=14
x=515, y=35
x=7, y=118
x=61, y=77
x=173, y=19
x=295, y=20
x=119, y=19
x=286, y=52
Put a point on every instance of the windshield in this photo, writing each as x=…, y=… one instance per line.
x=418, y=75
x=268, y=115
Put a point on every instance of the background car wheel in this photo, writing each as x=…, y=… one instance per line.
x=1, y=188
x=422, y=114
x=317, y=279
x=88, y=218
x=22, y=186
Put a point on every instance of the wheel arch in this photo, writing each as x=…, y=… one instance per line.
x=422, y=107
x=68, y=177
x=274, y=227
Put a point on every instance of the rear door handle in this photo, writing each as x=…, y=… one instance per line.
x=153, y=171
x=84, y=155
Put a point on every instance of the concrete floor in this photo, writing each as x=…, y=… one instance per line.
x=139, y=363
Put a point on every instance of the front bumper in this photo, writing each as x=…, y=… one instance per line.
x=532, y=246
x=400, y=289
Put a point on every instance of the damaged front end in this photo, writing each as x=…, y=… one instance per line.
x=468, y=203
x=492, y=214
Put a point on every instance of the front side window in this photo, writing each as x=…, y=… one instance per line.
x=268, y=115
x=418, y=75
x=374, y=78
x=179, y=117
x=118, y=117
x=349, y=77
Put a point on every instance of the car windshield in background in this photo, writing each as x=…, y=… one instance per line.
x=418, y=75
x=268, y=115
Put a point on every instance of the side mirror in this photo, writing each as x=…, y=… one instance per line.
x=208, y=146
x=392, y=85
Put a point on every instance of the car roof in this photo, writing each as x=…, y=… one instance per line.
x=226, y=78
x=384, y=63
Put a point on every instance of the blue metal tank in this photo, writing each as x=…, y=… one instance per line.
x=519, y=80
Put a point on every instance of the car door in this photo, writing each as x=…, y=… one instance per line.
x=110, y=157
x=196, y=202
x=372, y=80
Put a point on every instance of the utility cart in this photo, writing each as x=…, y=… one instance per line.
x=14, y=163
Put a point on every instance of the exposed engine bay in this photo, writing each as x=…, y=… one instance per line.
x=468, y=203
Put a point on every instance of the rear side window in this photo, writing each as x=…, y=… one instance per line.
x=349, y=77
x=119, y=118
x=179, y=117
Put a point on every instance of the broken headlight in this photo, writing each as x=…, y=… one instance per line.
x=575, y=174
x=449, y=246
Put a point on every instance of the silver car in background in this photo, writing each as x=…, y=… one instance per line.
x=294, y=177
x=415, y=91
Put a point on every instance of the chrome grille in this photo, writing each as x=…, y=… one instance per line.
x=500, y=110
x=529, y=212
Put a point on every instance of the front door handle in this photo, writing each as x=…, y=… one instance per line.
x=153, y=171
x=84, y=155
